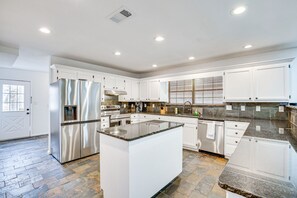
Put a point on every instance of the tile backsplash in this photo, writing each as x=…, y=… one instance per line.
x=293, y=115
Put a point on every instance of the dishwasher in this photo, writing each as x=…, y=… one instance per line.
x=214, y=144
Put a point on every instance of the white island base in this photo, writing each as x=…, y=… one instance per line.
x=142, y=167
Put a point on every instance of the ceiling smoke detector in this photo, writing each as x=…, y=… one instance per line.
x=120, y=15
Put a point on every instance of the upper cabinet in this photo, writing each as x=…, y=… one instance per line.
x=132, y=89
x=154, y=91
x=259, y=84
x=272, y=83
x=238, y=85
x=114, y=83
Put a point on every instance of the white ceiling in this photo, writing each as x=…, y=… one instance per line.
x=200, y=28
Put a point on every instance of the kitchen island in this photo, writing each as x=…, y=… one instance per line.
x=138, y=160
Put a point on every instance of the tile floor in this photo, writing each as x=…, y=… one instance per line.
x=26, y=170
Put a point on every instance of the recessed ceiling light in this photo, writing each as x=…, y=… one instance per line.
x=239, y=10
x=247, y=46
x=117, y=53
x=45, y=30
x=154, y=65
x=159, y=38
x=191, y=58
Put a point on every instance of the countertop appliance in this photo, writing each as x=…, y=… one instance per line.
x=116, y=118
x=74, y=119
x=214, y=144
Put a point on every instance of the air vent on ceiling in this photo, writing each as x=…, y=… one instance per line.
x=120, y=15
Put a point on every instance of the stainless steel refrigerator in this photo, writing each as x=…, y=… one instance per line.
x=74, y=119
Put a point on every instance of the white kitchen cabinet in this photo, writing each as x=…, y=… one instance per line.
x=89, y=76
x=62, y=73
x=238, y=85
x=98, y=78
x=233, y=134
x=143, y=91
x=271, y=83
x=135, y=90
x=243, y=156
x=153, y=91
x=114, y=83
x=132, y=89
x=271, y=158
x=190, y=136
x=190, y=129
x=105, y=122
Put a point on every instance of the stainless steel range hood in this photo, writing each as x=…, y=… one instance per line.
x=114, y=92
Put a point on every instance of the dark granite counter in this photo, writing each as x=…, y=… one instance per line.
x=139, y=130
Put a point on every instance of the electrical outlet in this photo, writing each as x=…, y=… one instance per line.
x=258, y=128
x=258, y=108
x=229, y=107
x=281, y=109
x=281, y=130
x=242, y=107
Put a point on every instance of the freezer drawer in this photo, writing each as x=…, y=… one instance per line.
x=89, y=138
x=70, y=142
x=215, y=145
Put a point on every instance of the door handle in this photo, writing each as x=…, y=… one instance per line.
x=28, y=113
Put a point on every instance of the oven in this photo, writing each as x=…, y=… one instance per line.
x=116, y=118
x=120, y=121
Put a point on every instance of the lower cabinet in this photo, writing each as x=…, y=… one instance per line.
x=262, y=156
x=190, y=136
x=276, y=155
x=190, y=129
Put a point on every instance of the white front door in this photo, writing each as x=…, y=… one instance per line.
x=15, y=109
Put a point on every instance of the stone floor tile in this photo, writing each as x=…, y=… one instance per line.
x=31, y=172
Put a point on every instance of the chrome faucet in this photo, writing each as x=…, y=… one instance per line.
x=190, y=104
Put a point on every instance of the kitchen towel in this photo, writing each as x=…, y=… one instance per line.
x=211, y=130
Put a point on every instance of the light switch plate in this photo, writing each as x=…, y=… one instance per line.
x=258, y=108
x=258, y=128
x=281, y=130
x=281, y=109
x=229, y=107
x=242, y=107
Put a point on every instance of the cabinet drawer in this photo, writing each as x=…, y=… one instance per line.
x=133, y=116
x=236, y=125
x=238, y=133
x=232, y=140
x=229, y=149
x=104, y=119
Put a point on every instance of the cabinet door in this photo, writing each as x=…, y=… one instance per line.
x=66, y=74
x=143, y=90
x=98, y=78
x=242, y=158
x=128, y=97
x=271, y=158
x=120, y=84
x=154, y=90
x=238, y=85
x=85, y=76
x=271, y=83
x=190, y=136
x=109, y=82
x=134, y=90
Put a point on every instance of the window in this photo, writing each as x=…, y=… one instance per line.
x=209, y=90
x=13, y=98
x=180, y=91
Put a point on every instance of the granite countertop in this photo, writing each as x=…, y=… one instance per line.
x=139, y=130
x=250, y=184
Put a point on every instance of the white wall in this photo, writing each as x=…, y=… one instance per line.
x=40, y=96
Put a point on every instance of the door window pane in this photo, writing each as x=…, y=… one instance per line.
x=13, y=98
